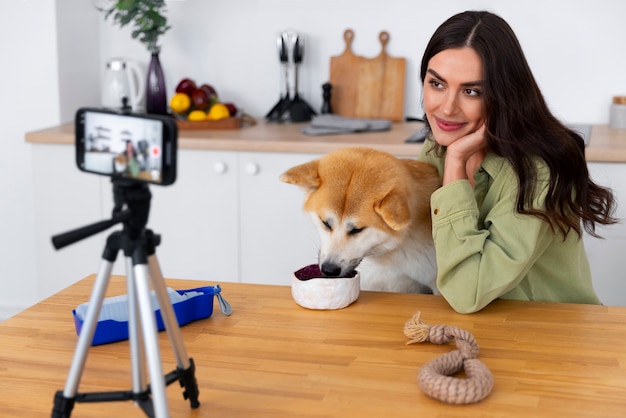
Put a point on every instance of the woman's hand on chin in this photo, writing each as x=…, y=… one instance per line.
x=464, y=156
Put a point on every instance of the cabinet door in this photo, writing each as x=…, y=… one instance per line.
x=277, y=238
x=606, y=255
x=197, y=218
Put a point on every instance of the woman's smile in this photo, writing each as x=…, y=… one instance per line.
x=449, y=126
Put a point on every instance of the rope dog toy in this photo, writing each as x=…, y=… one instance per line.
x=435, y=378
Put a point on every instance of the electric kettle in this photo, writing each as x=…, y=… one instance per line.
x=123, y=78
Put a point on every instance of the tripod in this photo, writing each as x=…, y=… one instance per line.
x=142, y=269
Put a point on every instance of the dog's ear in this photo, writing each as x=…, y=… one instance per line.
x=304, y=175
x=394, y=210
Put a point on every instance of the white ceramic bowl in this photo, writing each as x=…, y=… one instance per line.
x=313, y=291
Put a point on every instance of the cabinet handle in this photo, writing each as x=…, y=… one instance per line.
x=252, y=169
x=219, y=167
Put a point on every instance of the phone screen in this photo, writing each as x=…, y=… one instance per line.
x=137, y=147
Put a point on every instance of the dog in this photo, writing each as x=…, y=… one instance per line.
x=372, y=211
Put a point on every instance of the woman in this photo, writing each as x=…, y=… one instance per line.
x=516, y=189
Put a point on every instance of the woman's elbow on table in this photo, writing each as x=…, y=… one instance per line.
x=464, y=299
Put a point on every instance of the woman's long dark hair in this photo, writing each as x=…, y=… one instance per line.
x=520, y=127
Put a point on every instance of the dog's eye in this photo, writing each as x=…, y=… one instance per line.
x=355, y=231
x=327, y=225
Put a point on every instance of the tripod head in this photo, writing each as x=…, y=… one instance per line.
x=131, y=207
x=135, y=196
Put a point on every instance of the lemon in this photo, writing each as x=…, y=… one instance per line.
x=196, y=115
x=218, y=111
x=180, y=103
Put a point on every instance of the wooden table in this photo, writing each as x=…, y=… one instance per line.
x=272, y=358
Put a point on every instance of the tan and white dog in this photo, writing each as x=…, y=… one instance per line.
x=372, y=211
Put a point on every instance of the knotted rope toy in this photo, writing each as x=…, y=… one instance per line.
x=435, y=378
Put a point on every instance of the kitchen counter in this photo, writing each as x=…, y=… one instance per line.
x=266, y=137
x=606, y=145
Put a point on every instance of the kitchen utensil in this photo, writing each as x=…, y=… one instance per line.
x=381, y=85
x=277, y=112
x=326, y=97
x=342, y=67
x=368, y=87
x=299, y=110
x=123, y=78
x=290, y=108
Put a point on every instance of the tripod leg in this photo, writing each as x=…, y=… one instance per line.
x=135, y=336
x=186, y=366
x=167, y=312
x=63, y=405
x=151, y=341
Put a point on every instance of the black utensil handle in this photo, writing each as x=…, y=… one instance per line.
x=282, y=52
x=298, y=49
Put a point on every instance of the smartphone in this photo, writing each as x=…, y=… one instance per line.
x=140, y=147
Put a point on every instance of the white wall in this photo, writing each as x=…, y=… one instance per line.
x=575, y=47
x=35, y=68
x=78, y=55
x=30, y=100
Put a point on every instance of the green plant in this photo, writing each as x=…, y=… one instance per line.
x=146, y=15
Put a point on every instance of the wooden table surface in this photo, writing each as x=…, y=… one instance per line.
x=272, y=358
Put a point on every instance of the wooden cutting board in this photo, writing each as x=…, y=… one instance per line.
x=367, y=87
x=344, y=88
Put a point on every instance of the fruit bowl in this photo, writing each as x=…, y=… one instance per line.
x=233, y=122
x=201, y=108
x=310, y=289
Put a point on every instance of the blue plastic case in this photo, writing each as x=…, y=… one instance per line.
x=197, y=307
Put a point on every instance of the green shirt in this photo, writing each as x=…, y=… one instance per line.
x=487, y=250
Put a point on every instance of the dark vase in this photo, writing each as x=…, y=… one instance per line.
x=156, y=98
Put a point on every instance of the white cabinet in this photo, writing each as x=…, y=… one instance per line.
x=197, y=218
x=228, y=218
x=277, y=238
x=606, y=255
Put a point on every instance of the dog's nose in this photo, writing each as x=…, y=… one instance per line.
x=331, y=270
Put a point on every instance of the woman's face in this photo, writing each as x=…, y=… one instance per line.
x=453, y=100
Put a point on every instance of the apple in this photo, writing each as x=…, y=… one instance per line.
x=200, y=99
x=187, y=86
x=209, y=90
x=232, y=109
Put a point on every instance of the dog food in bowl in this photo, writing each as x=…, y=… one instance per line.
x=310, y=289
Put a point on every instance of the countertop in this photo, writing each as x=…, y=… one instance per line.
x=272, y=358
x=606, y=145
